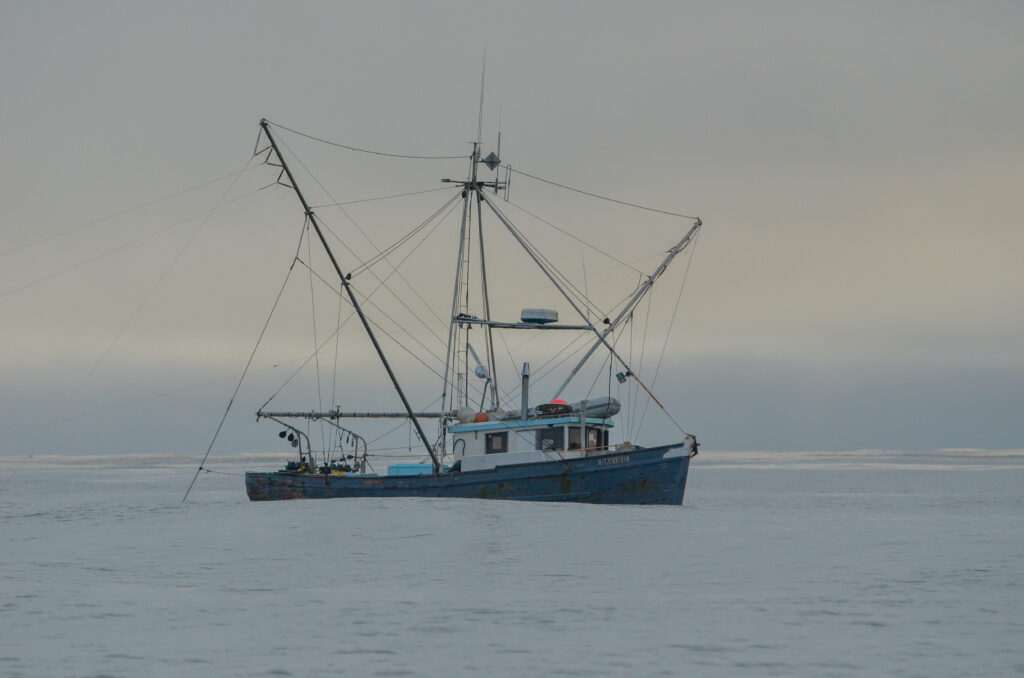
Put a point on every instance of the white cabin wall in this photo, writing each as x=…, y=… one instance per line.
x=472, y=444
x=520, y=439
x=475, y=442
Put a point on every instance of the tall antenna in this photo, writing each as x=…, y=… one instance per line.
x=480, y=119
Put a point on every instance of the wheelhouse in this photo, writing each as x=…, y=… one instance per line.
x=497, y=443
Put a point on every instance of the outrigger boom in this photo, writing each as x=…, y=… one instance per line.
x=336, y=414
x=265, y=126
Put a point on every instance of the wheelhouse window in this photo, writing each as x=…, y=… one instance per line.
x=596, y=438
x=497, y=442
x=552, y=438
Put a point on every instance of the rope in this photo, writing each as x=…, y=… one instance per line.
x=599, y=374
x=244, y=371
x=337, y=346
x=547, y=266
x=383, y=197
x=316, y=342
x=383, y=254
x=366, y=150
x=145, y=299
x=370, y=240
x=396, y=427
x=377, y=325
x=124, y=246
x=658, y=403
x=121, y=213
x=671, y=323
x=382, y=283
x=601, y=197
x=579, y=240
x=640, y=362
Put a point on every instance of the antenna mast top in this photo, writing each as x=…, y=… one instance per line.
x=480, y=117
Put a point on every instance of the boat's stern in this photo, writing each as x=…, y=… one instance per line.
x=274, y=485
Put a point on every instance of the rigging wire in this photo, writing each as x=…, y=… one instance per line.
x=383, y=197
x=601, y=197
x=245, y=371
x=342, y=209
x=671, y=323
x=615, y=344
x=147, y=297
x=570, y=235
x=643, y=354
x=554, y=362
x=550, y=363
x=342, y=323
x=400, y=425
x=631, y=387
x=316, y=351
x=369, y=151
x=126, y=245
x=368, y=239
x=599, y=374
x=544, y=369
x=540, y=371
x=122, y=212
x=383, y=254
x=382, y=283
x=551, y=269
x=377, y=325
x=337, y=346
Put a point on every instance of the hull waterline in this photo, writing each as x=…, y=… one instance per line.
x=654, y=475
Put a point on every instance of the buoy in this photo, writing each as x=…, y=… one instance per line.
x=480, y=417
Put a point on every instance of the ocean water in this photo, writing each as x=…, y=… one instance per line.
x=777, y=564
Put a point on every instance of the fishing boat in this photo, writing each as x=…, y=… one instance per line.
x=513, y=448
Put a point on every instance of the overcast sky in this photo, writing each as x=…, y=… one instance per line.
x=857, y=166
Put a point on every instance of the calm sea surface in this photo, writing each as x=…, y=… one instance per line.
x=787, y=564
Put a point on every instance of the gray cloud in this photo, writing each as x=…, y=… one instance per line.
x=857, y=167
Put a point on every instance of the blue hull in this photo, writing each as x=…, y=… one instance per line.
x=637, y=477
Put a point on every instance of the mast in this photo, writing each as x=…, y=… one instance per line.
x=451, y=359
x=460, y=322
x=351, y=295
